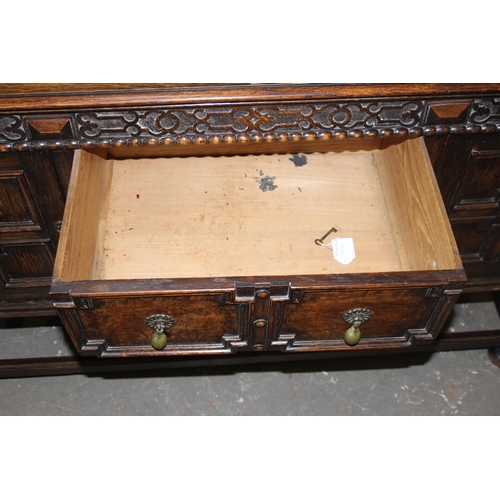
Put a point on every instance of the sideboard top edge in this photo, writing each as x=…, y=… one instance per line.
x=36, y=97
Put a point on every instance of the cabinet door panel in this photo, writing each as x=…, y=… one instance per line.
x=49, y=193
x=17, y=208
x=475, y=238
x=19, y=215
x=480, y=183
x=468, y=173
x=26, y=264
x=32, y=192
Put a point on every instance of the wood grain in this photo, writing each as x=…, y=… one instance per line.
x=259, y=215
x=240, y=216
x=467, y=171
x=17, y=97
x=82, y=224
x=421, y=227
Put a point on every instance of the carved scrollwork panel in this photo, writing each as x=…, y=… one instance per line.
x=485, y=110
x=252, y=119
x=284, y=121
x=11, y=129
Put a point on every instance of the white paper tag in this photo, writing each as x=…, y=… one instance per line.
x=343, y=250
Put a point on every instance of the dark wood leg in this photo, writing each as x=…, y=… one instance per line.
x=494, y=355
x=494, y=352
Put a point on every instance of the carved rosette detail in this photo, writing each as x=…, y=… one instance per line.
x=358, y=315
x=160, y=322
x=250, y=123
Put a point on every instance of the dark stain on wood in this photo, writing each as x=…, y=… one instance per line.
x=266, y=182
x=299, y=160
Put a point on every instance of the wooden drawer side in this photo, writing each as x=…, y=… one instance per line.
x=88, y=194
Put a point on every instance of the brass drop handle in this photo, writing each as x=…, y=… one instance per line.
x=159, y=323
x=355, y=316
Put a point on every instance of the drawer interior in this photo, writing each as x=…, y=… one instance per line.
x=254, y=215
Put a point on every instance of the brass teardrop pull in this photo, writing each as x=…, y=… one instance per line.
x=159, y=323
x=355, y=316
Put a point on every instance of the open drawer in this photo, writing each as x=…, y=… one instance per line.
x=216, y=254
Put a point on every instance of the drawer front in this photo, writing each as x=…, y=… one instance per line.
x=256, y=317
x=118, y=326
x=388, y=318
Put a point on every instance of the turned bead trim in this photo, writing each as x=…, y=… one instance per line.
x=244, y=138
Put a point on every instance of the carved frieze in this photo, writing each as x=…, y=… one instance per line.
x=12, y=129
x=255, y=122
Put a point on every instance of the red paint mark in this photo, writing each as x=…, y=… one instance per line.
x=137, y=196
x=211, y=404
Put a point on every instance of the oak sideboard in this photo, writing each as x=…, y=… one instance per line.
x=178, y=225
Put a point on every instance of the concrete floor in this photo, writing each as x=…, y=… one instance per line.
x=445, y=383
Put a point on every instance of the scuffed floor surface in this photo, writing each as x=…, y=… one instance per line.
x=448, y=383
